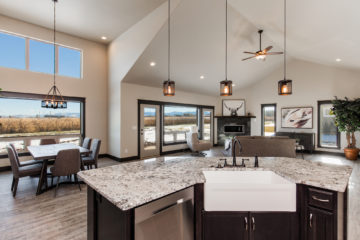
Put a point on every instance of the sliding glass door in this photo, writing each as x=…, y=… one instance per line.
x=149, y=130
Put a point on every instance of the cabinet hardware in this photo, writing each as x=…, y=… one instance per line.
x=246, y=224
x=320, y=200
x=311, y=218
x=253, y=223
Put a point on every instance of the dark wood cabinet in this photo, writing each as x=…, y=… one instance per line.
x=249, y=226
x=272, y=225
x=320, y=224
x=225, y=226
x=305, y=139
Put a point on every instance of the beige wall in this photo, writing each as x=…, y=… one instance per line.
x=93, y=86
x=130, y=93
x=311, y=83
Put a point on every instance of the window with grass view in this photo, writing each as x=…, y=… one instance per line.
x=328, y=131
x=177, y=121
x=23, y=118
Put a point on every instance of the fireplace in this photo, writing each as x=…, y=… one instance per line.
x=228, y=127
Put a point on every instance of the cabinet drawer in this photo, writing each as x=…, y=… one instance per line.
x=321, y=198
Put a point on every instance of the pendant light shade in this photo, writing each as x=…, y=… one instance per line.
x=54, y=99
x=225, y=88
x=285, y=85
x=226, y=85
x=169, y=86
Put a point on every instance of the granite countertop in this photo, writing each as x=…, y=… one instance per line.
x=132, y=184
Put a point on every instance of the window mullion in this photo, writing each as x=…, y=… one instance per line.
x=27, y=54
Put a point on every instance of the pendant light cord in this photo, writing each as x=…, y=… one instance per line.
x=54, y=39
x=284, y=39
x=169, y=41
x=226, y=40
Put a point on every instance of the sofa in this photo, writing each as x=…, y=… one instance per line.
x=277, y=146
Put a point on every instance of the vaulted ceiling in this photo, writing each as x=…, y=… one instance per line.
x=319, y=31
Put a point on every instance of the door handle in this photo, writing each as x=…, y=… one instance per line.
x=246, y=224
x=310, y=220
x=253, y=223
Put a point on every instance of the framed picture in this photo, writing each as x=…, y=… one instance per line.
x=233, y=107
x=297, y=117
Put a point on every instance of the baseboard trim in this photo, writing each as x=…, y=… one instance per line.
x=126, y=159
x=175, y=151
x=5, y=168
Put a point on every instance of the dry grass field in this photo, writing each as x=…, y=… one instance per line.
x=20, y=126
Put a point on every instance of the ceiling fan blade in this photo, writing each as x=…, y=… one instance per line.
x=248, y=58
x=250, y=52
x=268, y=49
x=274, y=53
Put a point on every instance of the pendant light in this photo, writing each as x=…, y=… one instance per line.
x=54, y=99
x=169, y=86
x=285, y=85
x=226, y=85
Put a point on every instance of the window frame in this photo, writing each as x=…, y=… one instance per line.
x=57, y=45
x=262, y=117
x=33, y=96
x=338, y=135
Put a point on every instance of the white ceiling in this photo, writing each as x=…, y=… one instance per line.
x=89, y=19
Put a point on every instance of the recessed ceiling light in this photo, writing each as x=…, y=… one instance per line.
x=202, y=77
x=153, y=64
x=338, y=60
x=103, y=38
x=234, y=85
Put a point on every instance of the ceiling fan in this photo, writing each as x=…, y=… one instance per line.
x=261, y=54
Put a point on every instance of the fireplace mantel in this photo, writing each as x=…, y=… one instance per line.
x=234, y=116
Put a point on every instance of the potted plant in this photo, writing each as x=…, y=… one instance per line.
x=347, y=119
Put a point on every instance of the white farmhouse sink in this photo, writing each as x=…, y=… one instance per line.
x=248, y=191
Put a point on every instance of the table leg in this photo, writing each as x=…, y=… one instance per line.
x=43, y=177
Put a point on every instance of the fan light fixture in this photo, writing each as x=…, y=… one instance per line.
x=226, y=85
x=285, y=85
x=169, y=86
x=54, y=99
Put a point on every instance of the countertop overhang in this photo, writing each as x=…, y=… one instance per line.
x=129, y=185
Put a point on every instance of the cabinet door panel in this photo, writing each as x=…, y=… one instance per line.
x=273, y=225
x=225, y=226
x=320, y=224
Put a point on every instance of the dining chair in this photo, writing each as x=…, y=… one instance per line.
x=92, y=159
x=47, y=141
x=67, y=163
x=86, y=143
x=23, y=163
x=21, y=171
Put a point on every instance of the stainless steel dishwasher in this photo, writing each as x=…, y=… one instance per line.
x=169, y=218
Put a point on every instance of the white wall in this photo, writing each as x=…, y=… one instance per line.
x=93, y=86
x=311, y=83
x=130, y=93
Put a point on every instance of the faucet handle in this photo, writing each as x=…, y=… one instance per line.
x=225, y=162
x=243, y=162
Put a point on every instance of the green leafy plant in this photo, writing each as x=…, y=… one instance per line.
x=347, y=118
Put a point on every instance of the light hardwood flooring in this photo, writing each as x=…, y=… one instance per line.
x=64, y=217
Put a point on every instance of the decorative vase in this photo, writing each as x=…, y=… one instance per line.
x=351, y=153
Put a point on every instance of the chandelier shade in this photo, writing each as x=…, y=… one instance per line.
x=226, y=88
x=285, y=87
x=169, y=88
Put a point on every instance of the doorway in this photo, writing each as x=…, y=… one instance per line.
x=268, y=119
x=149, y=130
x=207, y=124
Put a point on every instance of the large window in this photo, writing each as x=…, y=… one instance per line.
x=177, y=121
x=38, y=56
x=328, y=134
x=24, y=122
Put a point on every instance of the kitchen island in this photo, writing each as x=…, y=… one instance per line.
x=126, y=187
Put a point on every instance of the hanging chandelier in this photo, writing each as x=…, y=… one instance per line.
x=285, y=85
x=54, y=99
x=169, y=86
x=226, y=85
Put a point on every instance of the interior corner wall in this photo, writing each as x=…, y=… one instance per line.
x=93, y=85
x=130, y=93
x=311, y=83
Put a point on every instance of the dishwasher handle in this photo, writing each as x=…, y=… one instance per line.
x=180, y=201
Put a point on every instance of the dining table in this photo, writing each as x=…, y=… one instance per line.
x=44, y=153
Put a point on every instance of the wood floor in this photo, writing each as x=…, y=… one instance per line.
x=64, y=217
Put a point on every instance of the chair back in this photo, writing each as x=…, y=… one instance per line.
x=47, y=141
x=15, y=152
x=192, y=140
x=67, y=162
x=86, y=143
x=95, y=149
x=14, y=163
